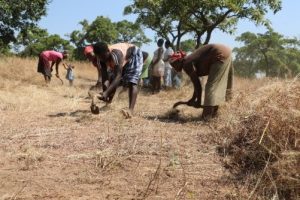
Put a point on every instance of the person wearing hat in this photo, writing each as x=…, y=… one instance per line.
x=44, y=66
x=214, y=61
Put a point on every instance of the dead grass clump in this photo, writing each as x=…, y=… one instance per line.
x=263, y=142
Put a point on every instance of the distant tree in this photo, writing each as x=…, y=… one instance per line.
x=174, y=19
x=270, y=53
x=188, y=45
x=103, y=29
x=18, y=16
x=131, y=32
x=38, y=40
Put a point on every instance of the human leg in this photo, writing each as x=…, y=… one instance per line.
x=209, y=112
x=132, y=92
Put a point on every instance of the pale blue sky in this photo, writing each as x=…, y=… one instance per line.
x=63, y=17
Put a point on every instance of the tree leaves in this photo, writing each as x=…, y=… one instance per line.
x=269, y=52
x=17, y=16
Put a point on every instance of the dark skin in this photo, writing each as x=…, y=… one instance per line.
x=47, y=78
x=91, y=57
x=133, y=90
x=189, y=69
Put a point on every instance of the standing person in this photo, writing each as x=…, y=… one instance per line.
x=214, y=60
x=70, y=73
x=44, y=66
x=145, y=75
x=168, y=68
x=126, y=61
x=157, y=66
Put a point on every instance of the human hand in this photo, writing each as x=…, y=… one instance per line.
x=103, y=96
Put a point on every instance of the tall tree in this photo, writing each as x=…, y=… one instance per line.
x=18, y=16
x=173, y=19
x=270, y=53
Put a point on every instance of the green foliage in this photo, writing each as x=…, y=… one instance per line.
x=174, y=19
x=18, y=16
x=103, y=29
x=188, y=45
x=270, y=53
x=38, y=40
x=131, y=32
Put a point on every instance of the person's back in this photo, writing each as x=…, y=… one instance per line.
x=124, y=48
x=51, y=55
x=208, y=54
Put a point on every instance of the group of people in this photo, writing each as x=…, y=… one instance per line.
x=122, y=64
x=160, y=72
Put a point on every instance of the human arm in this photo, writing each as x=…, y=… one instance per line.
x=65, y=66
x=195, y=101
x=100, y=67
x=52, y=64
x=56, y=67
x=111, y=88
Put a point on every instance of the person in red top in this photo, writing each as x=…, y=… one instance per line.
x=214, y=61
x=44, y=66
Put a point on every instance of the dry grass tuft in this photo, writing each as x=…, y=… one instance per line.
x=261, y=141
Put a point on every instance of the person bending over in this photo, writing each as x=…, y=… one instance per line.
x=214, y=61
x=126, y=62
x=44, y=66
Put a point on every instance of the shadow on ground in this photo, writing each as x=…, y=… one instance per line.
x=174, y=116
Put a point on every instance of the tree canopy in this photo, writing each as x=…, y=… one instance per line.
x=174, y=19
x=270, y=53
x=37, y=40
x=18, y=16
x=103, y=29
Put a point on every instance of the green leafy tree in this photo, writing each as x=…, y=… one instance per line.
x=103, y=29
x=78, y=39
x=38, y=40
x=18, y=16
x=270, y=53
x=188, y=45
x=131, y=32
x=174, y=19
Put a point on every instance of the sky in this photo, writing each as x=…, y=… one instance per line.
x=63, y=17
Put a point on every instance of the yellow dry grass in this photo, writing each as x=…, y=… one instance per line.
x=52, y=147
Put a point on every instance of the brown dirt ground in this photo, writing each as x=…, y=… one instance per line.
x=52, y=147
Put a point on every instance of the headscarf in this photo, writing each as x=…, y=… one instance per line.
x=88, y=49
x=178, y=55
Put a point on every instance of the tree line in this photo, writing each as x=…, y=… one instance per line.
x=270, y=53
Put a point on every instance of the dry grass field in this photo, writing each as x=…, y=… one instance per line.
x=52, y=147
